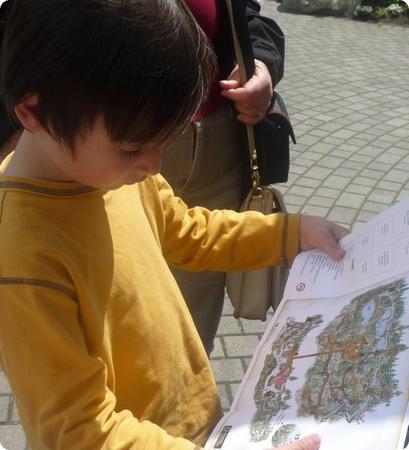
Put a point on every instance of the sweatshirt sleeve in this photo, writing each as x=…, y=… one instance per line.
x=59, y=385
x=264, y=34
x=198, y=239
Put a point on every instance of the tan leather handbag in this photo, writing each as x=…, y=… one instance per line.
x=252, y=293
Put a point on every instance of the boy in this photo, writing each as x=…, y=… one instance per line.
x=95, y=338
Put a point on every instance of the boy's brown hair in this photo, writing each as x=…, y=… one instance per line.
x=144, y=65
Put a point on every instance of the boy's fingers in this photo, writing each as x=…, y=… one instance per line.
x=312, y=442
x=334, y=251
x=331, y=245
x=340, y=232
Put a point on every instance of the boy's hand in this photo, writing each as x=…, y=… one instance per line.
x=253, y=99
x=317, y=232
x=312, y=442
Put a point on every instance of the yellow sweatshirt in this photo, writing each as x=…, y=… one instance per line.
x=95, y=337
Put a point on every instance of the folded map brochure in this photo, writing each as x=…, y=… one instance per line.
x=335, y=357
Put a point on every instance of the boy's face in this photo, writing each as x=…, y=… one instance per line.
x=98, y=162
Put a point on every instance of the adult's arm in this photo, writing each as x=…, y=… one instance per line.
x=267, y=40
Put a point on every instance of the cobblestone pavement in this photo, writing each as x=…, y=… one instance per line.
x=347, y=91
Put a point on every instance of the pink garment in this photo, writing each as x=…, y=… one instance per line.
x=206, y=13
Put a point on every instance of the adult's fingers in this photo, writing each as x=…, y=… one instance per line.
x=250, y=120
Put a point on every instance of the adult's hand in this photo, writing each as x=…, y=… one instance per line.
x=312, y=442
x=253, y=99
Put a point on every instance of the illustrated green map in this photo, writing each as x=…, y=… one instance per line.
x=271, y=395
x=351, y=372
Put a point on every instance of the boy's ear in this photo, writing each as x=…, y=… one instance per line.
x=27, y=113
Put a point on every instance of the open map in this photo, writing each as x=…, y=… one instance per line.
x=336, y=365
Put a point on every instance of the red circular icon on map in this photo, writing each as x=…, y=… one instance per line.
x=300, y=287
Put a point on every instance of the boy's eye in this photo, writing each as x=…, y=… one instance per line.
x=129, y=154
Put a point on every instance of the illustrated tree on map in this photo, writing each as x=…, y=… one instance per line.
x=354, y=367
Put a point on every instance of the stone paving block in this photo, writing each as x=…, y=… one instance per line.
x=298, y=169
x=313, y=210
x=373, y=207
x=400, y=132
x=15, y=418
x=382, y=196
x=317, y=200
x=4, y=408
x=12, y=437
x=379, y=143
x=218, y=351
x=332, y=140
x=224, y=396
x=358, y=157
x=389, y=186
x=350, y=200
x=359, y=126
x=370, y=137
x=357, y=142
x=323, y=148
x=403, y=144
x=319, y=133
x=302, y=191
x=331, y=162
x=308, y=139
x=388, y=158
x=397, y=149
x=364, y=216
x=4, y=384
x=347, y=173
x=307, y=182
x=327, y=192
x=233, y=388
x=392, y=139
x=371, y=173
x=310, y=155
x=402, y=195
x=371, y=151
x=295, y=200
x=341, y=214
x=246, y=362
x=397, y=176
x=379, y=166
x=358, y=189
x=243, y=345
x=229, y=325
x=227, y=307
x=318, y=172
x=254, y=326
x=348, y=164
x=397, y=122
x=227, y=370
x=365, y=181
x=336, y=182
x=344, y=133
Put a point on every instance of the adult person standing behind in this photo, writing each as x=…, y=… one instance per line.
x=208, y=164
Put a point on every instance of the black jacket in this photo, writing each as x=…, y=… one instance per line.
x=267, y=39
